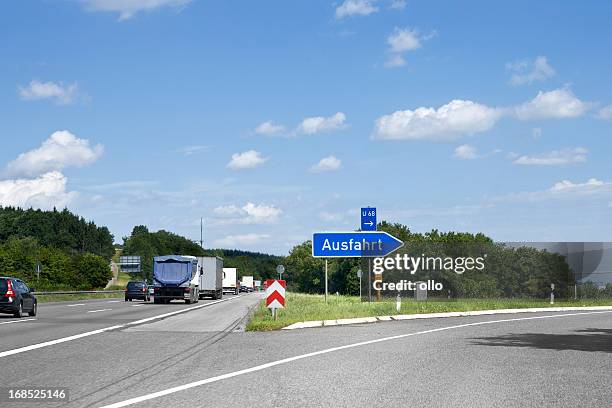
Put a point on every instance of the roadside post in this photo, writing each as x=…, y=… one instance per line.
x=359, y=274
x=552, y=293
x=275, y=295
x=398, y=302
x=38, y=269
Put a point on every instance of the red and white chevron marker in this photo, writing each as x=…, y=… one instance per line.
x=275, y=294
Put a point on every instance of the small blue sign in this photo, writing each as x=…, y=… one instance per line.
x=368, y=219
x=353, y=244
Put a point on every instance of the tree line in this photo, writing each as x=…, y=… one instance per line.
x=147, y=245
x=73, y=254
x=508, y=272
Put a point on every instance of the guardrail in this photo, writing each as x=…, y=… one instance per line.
x=79, y=292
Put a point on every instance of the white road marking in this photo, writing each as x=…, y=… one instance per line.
x=76, y=304
x=99, y=331
x=17, y=321
x=99, y=310
x=113, y=301
x=183, y=387
x=140, y=304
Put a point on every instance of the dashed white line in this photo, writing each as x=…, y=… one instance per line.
x=99, y=310
x=113, y=301
x=183, y=387
x=17, y=321
x=137, y=305
x=76, y=304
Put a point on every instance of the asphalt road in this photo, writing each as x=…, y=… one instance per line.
x=530, y=360
x=60, y=319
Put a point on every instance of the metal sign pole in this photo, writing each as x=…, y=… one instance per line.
x=369, y=280
x=326, y=280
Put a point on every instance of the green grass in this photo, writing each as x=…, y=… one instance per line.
x=122, y=279
x=85, y=296
x=301, y=307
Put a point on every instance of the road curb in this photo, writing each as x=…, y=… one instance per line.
x=374, y=319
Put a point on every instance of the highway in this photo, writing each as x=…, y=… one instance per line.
x=525, y=360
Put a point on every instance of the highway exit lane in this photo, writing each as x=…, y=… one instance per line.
x=549, y=362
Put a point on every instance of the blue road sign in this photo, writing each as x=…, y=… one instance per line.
x=368, y=219
x=353, y=244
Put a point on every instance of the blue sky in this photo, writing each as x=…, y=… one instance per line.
x=276, y=119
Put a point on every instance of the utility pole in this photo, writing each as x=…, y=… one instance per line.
x=202, y=232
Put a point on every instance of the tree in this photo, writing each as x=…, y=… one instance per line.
x=94, y=270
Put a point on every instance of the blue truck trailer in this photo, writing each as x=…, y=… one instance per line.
x=175, y=277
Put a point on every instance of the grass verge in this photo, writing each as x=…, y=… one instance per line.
x=301, y=307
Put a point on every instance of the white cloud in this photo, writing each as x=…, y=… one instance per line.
x=527, y=72
x=401, y=41
x=398, y=4
x=234, y=241
x=395, y=60
x=556, y=104
x=350, y=8
x=190, y=150
x=568, y=186
x=45, y=192
x=250, y=213
x=447, y=123
x=555, y=158
x=328, y=163
x=466, y=152
x=562, y=190
x=62, y=149
x=37, y=90
x=319, y=124
x=404, y=39
x=605, y=113
x=269, y=128
x=536, y=133
x=246, y=160
x=128, y=8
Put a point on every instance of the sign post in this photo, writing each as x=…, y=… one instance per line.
x=325, y=280
x=275, y=295
x=359, y=275
x=280, y=269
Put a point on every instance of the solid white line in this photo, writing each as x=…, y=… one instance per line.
x=183, y=387
x=77, y=304
x=99, y=310
x=99, y=331
x=18, y=321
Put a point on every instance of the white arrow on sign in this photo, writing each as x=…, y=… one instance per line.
x=368, y=223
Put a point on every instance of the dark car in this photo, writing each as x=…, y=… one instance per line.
x=16, y=298
x=137, y=290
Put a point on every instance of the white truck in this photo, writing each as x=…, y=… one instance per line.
x=210, y=274
x=246, y=284
x=229, y=281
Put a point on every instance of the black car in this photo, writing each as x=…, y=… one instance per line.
x=137, y=290
x=16, y=298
